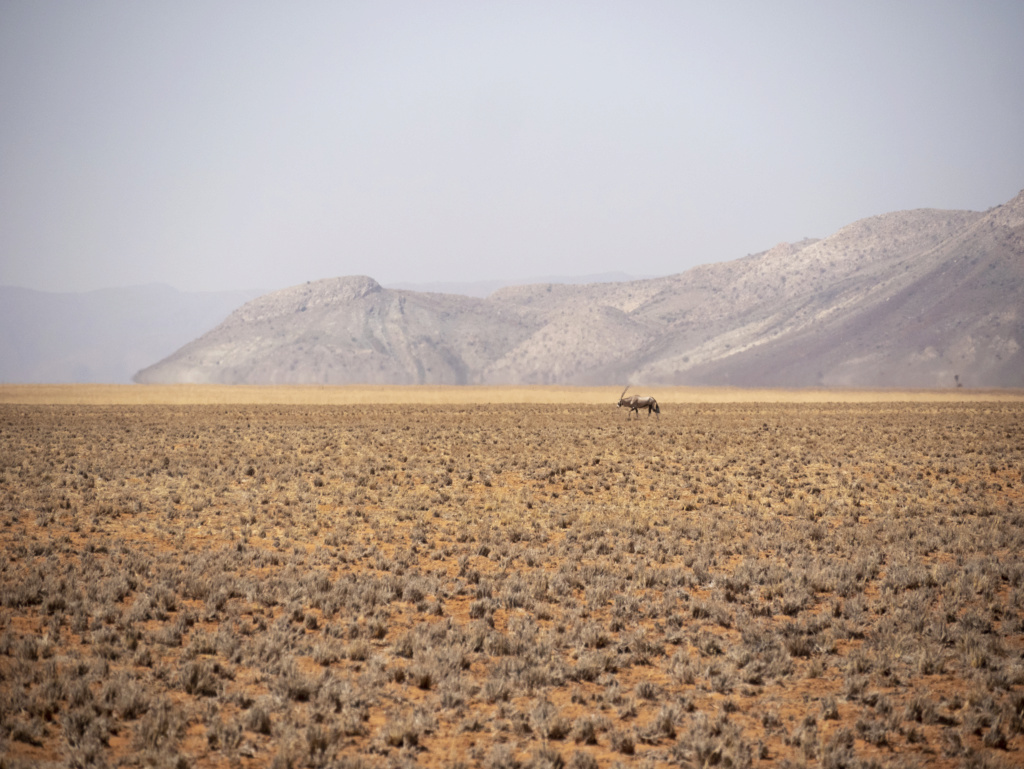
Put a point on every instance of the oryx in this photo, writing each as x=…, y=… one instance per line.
x=637, y=402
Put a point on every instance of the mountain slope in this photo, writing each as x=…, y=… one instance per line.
x=348, y=330
x=921, y=298
x=943, y=311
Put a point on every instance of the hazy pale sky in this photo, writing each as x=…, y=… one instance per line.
x=224, y=145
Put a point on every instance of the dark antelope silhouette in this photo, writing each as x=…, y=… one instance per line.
x=637, y=402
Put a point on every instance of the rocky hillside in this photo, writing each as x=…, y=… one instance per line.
x=922, y=298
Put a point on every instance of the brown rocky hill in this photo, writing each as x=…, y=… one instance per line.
x=922, y=298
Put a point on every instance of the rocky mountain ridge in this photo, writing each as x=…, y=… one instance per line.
x=921, y=298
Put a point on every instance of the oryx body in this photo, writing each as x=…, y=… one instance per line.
x=637, y=402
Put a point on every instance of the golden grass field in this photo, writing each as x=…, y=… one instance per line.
x=331, y=395
x=501, y=577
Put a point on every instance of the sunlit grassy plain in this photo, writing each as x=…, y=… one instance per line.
x=380, y=576
x=102, y=394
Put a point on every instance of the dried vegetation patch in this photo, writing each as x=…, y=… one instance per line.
x=512, y=585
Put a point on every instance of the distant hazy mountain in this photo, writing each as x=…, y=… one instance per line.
x=920, y=298
x=101, y=336
x=482, y=288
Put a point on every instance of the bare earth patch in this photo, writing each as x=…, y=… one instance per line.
x=502, y=584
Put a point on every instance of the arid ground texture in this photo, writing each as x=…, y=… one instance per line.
x=532, y=584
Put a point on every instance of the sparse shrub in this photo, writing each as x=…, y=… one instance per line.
x=585, y=729
x=160, y=728
x=201, y=678
x=582, y=760
x=622, y=742
x=258, y=719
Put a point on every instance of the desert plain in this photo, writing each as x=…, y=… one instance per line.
x=440, y=577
